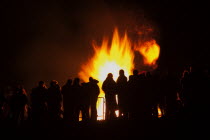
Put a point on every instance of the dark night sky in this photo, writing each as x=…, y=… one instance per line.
x=45, y=40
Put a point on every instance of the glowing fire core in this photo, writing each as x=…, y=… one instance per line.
x=110, y=59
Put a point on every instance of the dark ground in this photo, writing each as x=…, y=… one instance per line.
x=117, y=129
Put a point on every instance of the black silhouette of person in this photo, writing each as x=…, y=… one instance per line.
x=39, y=102
x=94, y=92
x=54, y=99
x=109, y=87
x=85, y=102
x=78, y=100
x=133, y=90
x=68, y=101
x=18, y=103
x=170, y=92
x=122, y=93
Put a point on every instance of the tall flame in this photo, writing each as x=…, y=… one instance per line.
x=110, y=59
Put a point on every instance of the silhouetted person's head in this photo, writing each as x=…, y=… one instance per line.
x=53, y=83
x=135, y=72
x=121, y=72
x=90, y=79
x=69, y=82
x=110, y=76
x=21, y=90
x=41, y=84
x=76, y=81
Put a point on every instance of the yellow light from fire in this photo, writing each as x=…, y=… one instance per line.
x=109, y=59
x=117, y=113
x=116, y=98
x=150, y=51
x=80, y=115
x=159, y=111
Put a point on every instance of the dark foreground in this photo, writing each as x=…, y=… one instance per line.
x=117, y=129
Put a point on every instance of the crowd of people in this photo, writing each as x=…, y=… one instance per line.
x=141, y=96
x=51, y=104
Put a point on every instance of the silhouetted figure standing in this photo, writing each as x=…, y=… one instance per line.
x=17, y=104
x=78, y=100
x=122, y=93
x=94, y=92
x=170, y=94
x=145, y=96
x=39, y=102
x=132, y=88
x=54, y=99
x=84, y=100
x=68, y=101
x=109, y=86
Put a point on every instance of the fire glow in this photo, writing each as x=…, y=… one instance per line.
x=150, y=51
x=110, y=59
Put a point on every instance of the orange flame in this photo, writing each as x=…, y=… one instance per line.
x=150, y=51
x=110, y=59
x=160, y=114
